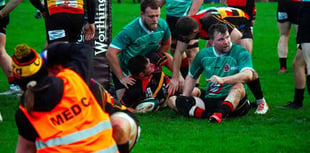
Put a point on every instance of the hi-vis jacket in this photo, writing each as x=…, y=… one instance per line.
x=76, y=124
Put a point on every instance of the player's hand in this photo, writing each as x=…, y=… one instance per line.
x=175, y=85
x=127, y=81
x=215, y=80
x=89, y=31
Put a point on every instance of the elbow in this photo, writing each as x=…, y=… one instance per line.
x=252, y=75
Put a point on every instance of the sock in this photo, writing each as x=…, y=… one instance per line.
x=123, y=148
x=256, y=88
x=282, y=63
x=299, y=96
x=201, y=113
x=226, y=108
x=11, y=80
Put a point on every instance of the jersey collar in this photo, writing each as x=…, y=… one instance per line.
x=143, y=27
x=218, y=55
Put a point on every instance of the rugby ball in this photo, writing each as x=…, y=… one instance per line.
x=147, y=105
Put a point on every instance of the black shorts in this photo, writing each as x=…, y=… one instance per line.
x=63, y=27
x=246, y=32
x=213, y=104
x=303, y=33
x=287, y=11
x=243, y=25
x=4, y=22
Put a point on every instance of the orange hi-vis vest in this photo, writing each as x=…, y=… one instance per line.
x=76, y=124
x=65, y=6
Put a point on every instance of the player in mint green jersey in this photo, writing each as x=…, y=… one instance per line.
x=146, y=34
x=227, y=67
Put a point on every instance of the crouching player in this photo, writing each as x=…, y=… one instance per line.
x=227, y=67
x=125, y=125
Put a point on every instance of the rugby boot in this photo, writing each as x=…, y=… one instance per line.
x=292, y=105
x=216, y=118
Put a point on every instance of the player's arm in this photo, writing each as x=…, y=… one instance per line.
x=25, y=146
x=196, y=4
x=116, y=68
x=89, y=29
x=235, y=36
x=190, y=84
x=244, y=76
x=192, y=50
x=177, y=80
x=9, y=7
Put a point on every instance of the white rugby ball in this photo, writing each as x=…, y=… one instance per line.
x=147, y=105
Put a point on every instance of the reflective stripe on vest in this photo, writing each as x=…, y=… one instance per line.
x=75, y=137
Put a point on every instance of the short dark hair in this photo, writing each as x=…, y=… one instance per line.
x=186, y=26
x=153, y=4
x=221, y=28
x=137, y=64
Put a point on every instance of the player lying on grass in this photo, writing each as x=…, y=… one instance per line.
x=150, y=90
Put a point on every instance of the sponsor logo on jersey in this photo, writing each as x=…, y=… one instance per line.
x=226, y=67
x=215, y=88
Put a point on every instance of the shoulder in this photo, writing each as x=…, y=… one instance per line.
x=133, y=23
x=238, y=49
x=205, y=52
x=131, y=27
x=162, y=23
x=239, y=52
